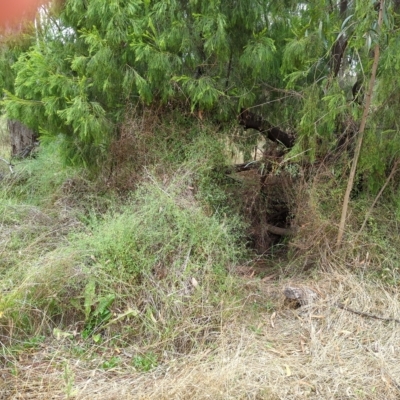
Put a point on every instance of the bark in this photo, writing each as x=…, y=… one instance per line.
x=342, y=7
x=254, y=121
x=337, y=54
x=360, y=133
x=23, y=139
x=340, y=45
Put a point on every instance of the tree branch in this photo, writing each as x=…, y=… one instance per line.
x=254, y=121
x=276, y=230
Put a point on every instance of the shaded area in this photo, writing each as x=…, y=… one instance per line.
x=265, y=192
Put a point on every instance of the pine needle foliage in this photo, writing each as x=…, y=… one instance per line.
x=296, y=63
x=91, y=58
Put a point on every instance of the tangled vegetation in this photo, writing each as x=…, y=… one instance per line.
x=190, y=160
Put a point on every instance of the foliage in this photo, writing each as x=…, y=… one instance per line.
x=37, y=182
x=89, y=60
x=145, y=362
x=11, y=47
x=131, y=244
x=155, y=261
x=78, y=78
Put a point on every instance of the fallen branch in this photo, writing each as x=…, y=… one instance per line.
x=276, y=230
x=364, y=314
x=243, y=167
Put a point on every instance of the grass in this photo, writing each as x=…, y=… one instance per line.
x=152, y=294
x=5, y=147
x=319, y=352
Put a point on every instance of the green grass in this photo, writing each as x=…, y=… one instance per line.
x=145, y=268
x=161, y=255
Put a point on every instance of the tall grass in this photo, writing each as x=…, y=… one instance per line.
x=5, y=145
x=151, y=268
x=140, y=284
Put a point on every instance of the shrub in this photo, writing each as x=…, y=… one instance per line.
x=160, y=262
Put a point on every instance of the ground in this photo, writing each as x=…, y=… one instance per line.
x=269, y=351
x=244, y=339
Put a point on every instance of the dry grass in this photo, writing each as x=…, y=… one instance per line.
x=262, y=349
x=5, y=143
x=5, y=147
x=319, y=352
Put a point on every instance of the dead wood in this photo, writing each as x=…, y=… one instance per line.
x=254, y=121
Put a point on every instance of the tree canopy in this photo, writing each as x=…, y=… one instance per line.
x=303, y=66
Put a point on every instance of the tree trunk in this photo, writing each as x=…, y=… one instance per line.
x=339, y=47
x=23, y=139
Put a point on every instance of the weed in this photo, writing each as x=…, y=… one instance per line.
x=24, y=346
x=69, y=381
x=78, y=350
x=145, y=362
x=36, y=181
x=160, y=251
x=256, y=330
x=97, y=311
x=111, y=363
x=150, y=272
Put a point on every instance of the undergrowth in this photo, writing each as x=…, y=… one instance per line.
x=151, y=267
x=371, y=251
x=139, y=267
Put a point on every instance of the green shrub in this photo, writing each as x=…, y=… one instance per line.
x=161, y=226
x=161, y=262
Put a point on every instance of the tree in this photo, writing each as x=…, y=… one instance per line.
x=12, y=46
x=94, y=57
x=23, y=139
x=362, y=128
x=293, y=64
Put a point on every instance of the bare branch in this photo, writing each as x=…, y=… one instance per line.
x=276, y=230
x=255, y=121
